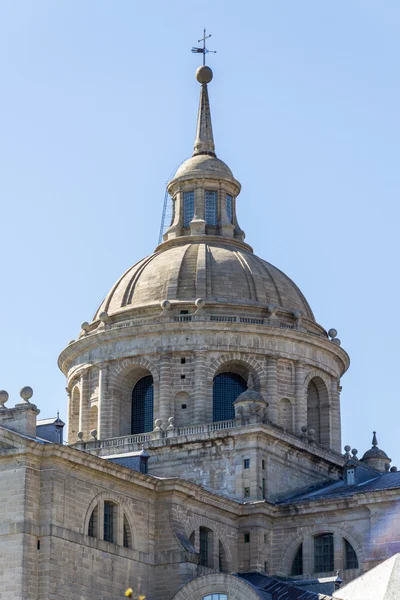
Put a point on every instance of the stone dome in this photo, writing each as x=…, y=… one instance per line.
x=203, y=166
x=216, y=270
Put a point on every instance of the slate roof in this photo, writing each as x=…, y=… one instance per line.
x=271, y=588
x=368, y=480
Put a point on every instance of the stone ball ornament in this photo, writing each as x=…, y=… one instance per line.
x=204, y=74
x=103, y=317
x=26, y=393
x=165, y=305
x=3, y=397
x=85, y=326
x=332, y=333
x=200, y=303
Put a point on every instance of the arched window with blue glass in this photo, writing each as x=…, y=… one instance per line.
x=227, y=386
x=142, y=405
x=188, y=208
x=229, y=207
x=211, y=207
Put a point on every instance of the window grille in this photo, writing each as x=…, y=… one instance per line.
x=188, y=208
x=109, y=522
x=351, y=560
x=203, y=547
x=229, y=207
x=215, y=597
x=211, y=207
x=226, y=388
x=323, y=553
x=297, y=564
x=142, y=405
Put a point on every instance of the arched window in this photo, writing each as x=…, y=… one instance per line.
x=297, y=564
x=314, y=410
x=110, y=518
x=323, y=553
x=222, y=564
x=226, y=388
x=188, y=208
x=93, y=417
x=285, y=414
x=127, y=541
x=205, y=554
x=94, y=523
x=350, y=556
x=73, y=422
x=210, y=198
x=229, y=207
x=215, y=597
x=142, y=405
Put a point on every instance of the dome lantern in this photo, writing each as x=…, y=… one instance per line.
x=203, y=189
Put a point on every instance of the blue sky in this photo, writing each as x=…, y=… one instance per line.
x=98, y=106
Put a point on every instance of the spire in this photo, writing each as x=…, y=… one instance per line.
x=374, y=440
x=204, y=142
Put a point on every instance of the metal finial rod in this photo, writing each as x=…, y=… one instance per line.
x=204, y=50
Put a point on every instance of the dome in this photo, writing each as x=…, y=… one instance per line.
x=204, y=166
x=218, y=271
x=374, y=452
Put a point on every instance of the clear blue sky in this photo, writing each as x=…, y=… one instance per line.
x=98, y=105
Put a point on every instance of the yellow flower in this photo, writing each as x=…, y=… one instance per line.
x=142, y=598
x=129, y=593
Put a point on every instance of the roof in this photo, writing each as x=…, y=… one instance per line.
x=380, y=583
x=51, y=421
x=216, y=271
x=368, y=480
x=272, y=588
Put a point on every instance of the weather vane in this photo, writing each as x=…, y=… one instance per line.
x=203, y=50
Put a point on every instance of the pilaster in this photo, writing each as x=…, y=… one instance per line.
x=201, y=413
x=165, y=405
x=300, y=398
x=272, y=388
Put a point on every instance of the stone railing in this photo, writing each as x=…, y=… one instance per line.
x=143, y=438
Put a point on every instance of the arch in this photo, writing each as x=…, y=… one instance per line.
x=122, y=379
x=127, y=533
x=142, y=405
x=220, y=533
x=238, y=363
x=124, y=508
x=74, y=413
x=217, y=583
x=318, y=410
x=297, y=563
x=285, y=414
x=285, y=561
x=183, y=409
x=222, y=562
x=227, y=386
x=350, y=558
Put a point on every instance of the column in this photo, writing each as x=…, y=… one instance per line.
x=272, y=388
x=335, y=432
x=84, y=405
x=201, y=412
x=103, y=404
x=165, y=408
x=299, y=398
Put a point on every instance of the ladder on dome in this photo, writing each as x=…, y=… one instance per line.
x=167, y=212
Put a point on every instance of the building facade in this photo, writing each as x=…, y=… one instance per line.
x=203, y=429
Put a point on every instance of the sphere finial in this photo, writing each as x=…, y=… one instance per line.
x=204, y=74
